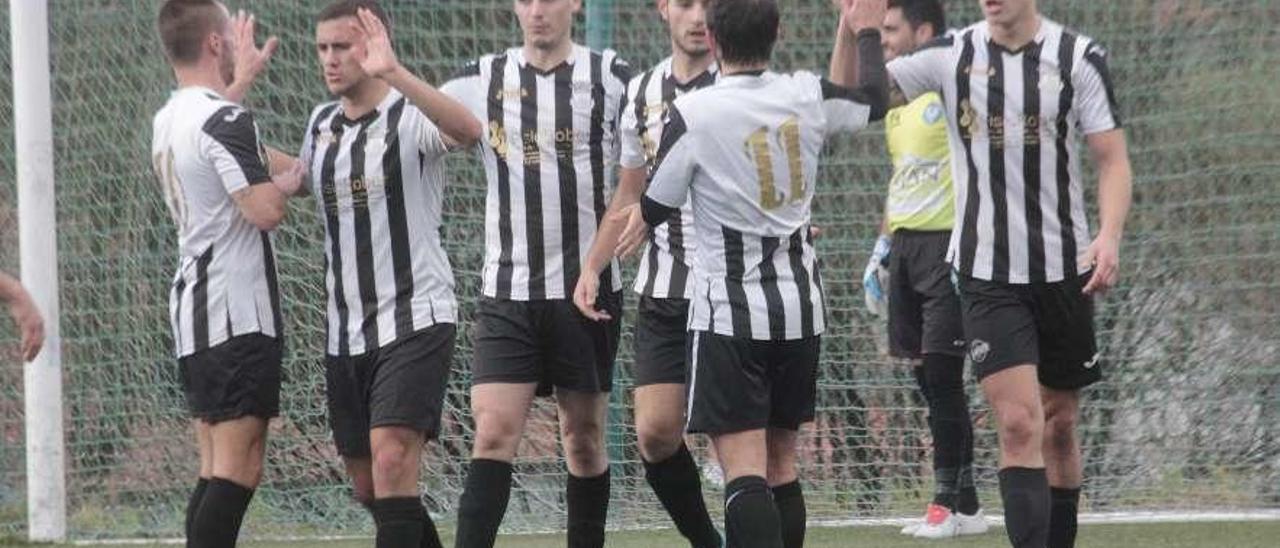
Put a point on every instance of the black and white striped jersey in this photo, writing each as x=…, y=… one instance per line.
x=203, y=149
x=379, y=186
x=1015, y=119
x=746, y=152
x=668, y=257
x=550, y=157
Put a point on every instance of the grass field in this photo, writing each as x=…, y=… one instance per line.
x=1162, y=535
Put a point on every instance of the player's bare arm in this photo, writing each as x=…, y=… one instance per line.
x=25, y=314
x=251, y=60
x=1115, y=194
x=458, y=126
x=263, y=204
x=631, y=184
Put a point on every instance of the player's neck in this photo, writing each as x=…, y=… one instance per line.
x=547, y=58
x=200, y=77
x=686, y=67
x=364, y=97
x=731, y=69
x=1016, y=34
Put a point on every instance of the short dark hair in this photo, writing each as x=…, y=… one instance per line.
x=349, y=8
x=919, y=12
x=184, y=24
x=744, y=30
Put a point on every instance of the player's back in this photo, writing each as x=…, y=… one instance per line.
x=204, y=149
x=749, y=147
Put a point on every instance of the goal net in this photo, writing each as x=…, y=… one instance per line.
x=1186, y=420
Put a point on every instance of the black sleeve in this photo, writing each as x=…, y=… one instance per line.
x=654, y=212
x=621, y=70
x=233, y=128
x=873, y=79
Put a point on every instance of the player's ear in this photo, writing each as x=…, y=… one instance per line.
x=575, y=5
x=662, y=9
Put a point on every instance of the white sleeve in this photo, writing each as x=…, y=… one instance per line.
x=673, y=169
x=467, y=88
x=230, y=141
x=925, y=69
x=633, y=154
x=1095, y=98
x=427, y=135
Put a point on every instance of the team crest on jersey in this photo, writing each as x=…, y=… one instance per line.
x=933, y=113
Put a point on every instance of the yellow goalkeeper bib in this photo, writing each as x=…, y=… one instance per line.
x=920, y=194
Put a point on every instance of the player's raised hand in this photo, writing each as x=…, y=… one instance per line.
x=250, y=60
x=635, y=232
x=379, y=58
x=863, y=14
x=584, y=297
x=1103, y=256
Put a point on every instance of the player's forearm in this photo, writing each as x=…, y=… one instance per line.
x=453, y=119
x=279, y=161
x=10, y=289
x=1115, y=181
x=844, y=58
x=630, y=188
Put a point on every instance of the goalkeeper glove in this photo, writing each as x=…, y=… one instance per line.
x=876, y=277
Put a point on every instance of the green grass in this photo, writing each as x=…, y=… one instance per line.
x=1178, y=535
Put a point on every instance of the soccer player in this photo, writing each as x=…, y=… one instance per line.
x=924, y=311
x=746, y=150
x=1020, y=92
x=224, y=303
x=663, y=279
x=375, y=159
x=551, y=108
x=25, y=315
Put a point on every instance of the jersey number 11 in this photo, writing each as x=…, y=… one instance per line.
x=758, y=148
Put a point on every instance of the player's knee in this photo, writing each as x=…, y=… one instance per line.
x=1060, y=433
x=392, y=460
x=1021, y=426
x=658, y=440
x=497, y=434
x=584, y=451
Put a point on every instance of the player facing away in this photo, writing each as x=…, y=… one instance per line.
x=663, y=276
x=551, y=108
x=375, y=165
x=746, y=151
x=224, y=302
x=1020, y=93
x=924, y=311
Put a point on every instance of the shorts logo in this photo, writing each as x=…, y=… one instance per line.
x=978, y=350
x=1093, y=362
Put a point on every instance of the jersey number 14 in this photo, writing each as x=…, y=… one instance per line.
x=760, y=149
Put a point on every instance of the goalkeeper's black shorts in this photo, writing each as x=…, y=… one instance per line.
x=1049, y=325
x=924, y=311
x=235, y=379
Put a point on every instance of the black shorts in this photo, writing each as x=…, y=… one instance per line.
x=738, y=385
x=401, y=384
x=924, y=310
x=661, y=333
x=1049, y=325
x=237, y=378
x=546, y=342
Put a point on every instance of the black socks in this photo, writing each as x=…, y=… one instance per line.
x=1025, y=492
x=952, y=432
x=1062, y=517
x=678, y=485
x=791, y=513
x=587, y=501
x=399, y=521
x=193, y=506
x=217, y=522
x=750, y=516
x=483, y=503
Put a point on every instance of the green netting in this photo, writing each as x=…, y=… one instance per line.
x=1186, y=421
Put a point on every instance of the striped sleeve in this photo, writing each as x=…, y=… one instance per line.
x=673, y=170
x=230, y=142
x=1096, y=100
x=629, y=126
